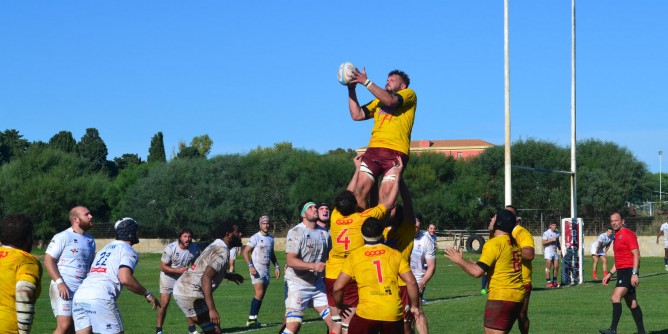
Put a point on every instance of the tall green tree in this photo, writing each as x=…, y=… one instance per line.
x=186, y=192
x=203, y=144
x=64, y=141
x=12, y=145
x=127, y=160
x=156, y=152
x=608, y=176
x=92, y=148
x=46, y=183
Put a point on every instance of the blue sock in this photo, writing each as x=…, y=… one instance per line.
x=191, y=328
x=255, y=307
x=665, y=261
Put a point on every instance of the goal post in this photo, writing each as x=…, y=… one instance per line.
x=572, y=250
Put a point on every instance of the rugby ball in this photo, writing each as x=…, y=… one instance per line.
x=346, y=71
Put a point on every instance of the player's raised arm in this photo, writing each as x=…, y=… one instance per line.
x=386, y=98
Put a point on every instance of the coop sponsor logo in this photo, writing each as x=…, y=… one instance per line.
x=375, y=252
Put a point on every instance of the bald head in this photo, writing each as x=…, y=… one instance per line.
x=81, y=219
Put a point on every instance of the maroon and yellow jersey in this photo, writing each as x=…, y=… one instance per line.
x=346, y=232
x=15, y=265
x=524, y=239
x=392, y=127
x=504, y=262
x=376, y=269
x=401, y=238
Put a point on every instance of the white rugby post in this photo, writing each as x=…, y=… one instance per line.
x=506, y=83
x=577, y=225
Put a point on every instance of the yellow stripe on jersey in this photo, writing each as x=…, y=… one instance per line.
x=505, y=269
x=376, y=269
x=15, y=265
x=524, y=239
x=392, y=128
x=346, y=232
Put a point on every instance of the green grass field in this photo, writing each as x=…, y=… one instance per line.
x=455, y=306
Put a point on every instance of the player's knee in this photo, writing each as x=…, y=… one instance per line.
x=344, y=326
x=294, y=316
x=389, y=178
x=325, y=313
x=364, y=168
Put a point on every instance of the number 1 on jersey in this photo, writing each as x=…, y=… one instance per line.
x=379, y=270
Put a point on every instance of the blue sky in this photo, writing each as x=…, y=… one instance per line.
x=255, y=73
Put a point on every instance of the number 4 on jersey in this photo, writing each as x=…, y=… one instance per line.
x=342, y=238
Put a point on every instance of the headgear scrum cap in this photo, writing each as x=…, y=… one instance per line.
x=126, y=229
x=505, y=221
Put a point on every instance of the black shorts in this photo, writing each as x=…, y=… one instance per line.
x=624, y=279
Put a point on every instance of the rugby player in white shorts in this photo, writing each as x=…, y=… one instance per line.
x=306, y=252
x=551, y=254
x=67, y=260
x=664, y=229
x=193, y=291
x=423, y=258
x=598, y=249
x=259, y=252
x=94, y=308
x=176, y=258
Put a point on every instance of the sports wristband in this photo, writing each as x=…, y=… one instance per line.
x=59, y=280
x=277, y=266
x=634, y=272
x=250, y=265
x=148, y=294
x=367, y=83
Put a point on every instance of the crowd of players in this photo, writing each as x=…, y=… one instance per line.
x=364, y=268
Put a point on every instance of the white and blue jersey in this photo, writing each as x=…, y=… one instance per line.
x=102, y=281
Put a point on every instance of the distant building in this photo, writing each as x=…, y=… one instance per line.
x=456, y=148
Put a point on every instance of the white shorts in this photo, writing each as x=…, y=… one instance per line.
x=191, y=306
x=300, y=297
x=60, y=306
x=166, y=283
x=595, y=251
x=103, y=315
x=551, y=253
x=260, y=278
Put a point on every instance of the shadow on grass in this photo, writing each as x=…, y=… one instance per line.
x=663, y=331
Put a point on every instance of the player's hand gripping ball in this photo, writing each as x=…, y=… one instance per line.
x=346, y=72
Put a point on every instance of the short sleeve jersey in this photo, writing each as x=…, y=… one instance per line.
x=15, y=265
x=102, y=281
x=216, y=256
x=602, y=241
x=505, y=269
x=625, y=242
x=310, y=245
x=664, y=229
x=423, y=249
x=263, y=248
x=401, y=238
x=549, y=234
x=347, y=232
x=376, y=269
x=524, y=239
x=392, y=127
x=176, y=257
x=74, y=254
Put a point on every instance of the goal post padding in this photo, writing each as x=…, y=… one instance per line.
x=572, y=250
